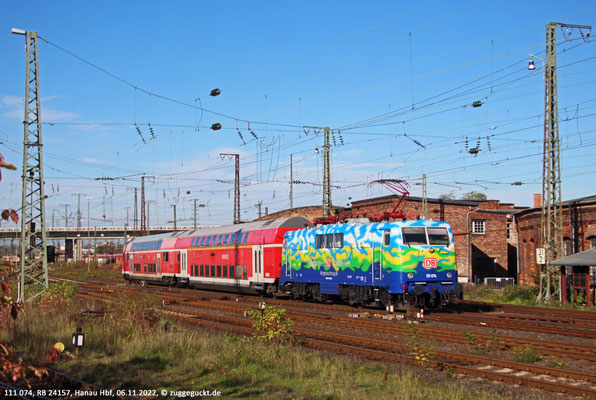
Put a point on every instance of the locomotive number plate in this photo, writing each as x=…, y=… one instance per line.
x=430, y=263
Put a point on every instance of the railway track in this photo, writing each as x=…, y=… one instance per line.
x=215, y=313
x=503, y=342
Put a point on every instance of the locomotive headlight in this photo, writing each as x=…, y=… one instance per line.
x=411, y=276
x=449, y=275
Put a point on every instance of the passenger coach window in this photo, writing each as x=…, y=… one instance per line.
x=338, y=240
x=219, y=240
x=225, y=271
x=225, y=240
x=438, y=236
x=414, y=236
x=219, y=271
x=319, y=241
x=213, y=271
x=201, y=271
x=231, y=272
x=386, y=237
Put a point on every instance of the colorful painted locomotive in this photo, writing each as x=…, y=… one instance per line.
x=392, y=263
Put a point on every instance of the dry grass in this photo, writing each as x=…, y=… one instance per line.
x=132, y=349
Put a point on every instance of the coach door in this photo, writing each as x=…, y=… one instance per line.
x=158, y=263
x=257, y=264
x=287, y=263
x=380, y=242
x=183, y=263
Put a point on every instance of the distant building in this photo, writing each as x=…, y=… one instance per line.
x=579, y=233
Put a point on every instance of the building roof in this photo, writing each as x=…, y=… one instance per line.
x=581, y=259
x=581, y=201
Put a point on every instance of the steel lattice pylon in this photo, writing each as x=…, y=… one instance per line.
x=552, y=218
x=33, y=278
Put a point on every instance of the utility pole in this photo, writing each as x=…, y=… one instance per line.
x=143, y=222
x=77, y=255
x=135, y=215
x=236, y=185
x=127, y=210
x=552, y=218
x=424, y=197
x=34, y=257
x=148, y=223
x=327, y=204
x=291, y=183
x=195, y=212
x=88, y=225
x=65, y=215
x=174, y=206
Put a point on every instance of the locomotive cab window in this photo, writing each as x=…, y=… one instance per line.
x=329, y=240
x=438, y=236
x=319, y=241
x=386, y=237
x=414, y=236
x=338, y=240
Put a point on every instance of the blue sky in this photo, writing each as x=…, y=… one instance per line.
x=384, y=76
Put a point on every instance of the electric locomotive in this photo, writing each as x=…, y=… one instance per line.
x=393, y=264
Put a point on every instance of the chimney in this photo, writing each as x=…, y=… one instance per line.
x=266, y=211
x=537, y=200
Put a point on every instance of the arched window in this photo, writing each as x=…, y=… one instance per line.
x=568, y=246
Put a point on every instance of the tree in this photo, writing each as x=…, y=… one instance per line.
x=447, y=196
x=473, y=195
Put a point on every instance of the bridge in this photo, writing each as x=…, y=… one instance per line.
x=95, y=232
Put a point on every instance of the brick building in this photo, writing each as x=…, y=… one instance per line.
x=579, y=233
x=484, y=231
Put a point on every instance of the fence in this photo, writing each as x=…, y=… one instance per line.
x=499, y=282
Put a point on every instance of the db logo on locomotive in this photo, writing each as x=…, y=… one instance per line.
x=430, y=263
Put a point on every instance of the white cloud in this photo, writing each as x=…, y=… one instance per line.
x=13, y=107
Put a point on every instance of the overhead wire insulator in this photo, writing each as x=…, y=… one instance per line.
x=151, y=131
x=240, y=134
x=333, y=136
x=416, y=142
x=488, y=143
x=251, y=132
x=518, y=183
x=477, y=104
x=139, y=132
x=341, y=139
x=466, y=143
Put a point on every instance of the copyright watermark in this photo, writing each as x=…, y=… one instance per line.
x=190, y=393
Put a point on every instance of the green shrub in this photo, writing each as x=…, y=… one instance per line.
x=526, y=354
x=273, y=321
x=516, y=293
